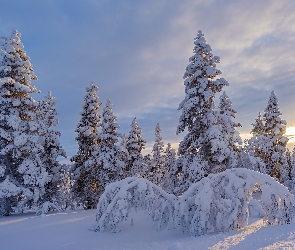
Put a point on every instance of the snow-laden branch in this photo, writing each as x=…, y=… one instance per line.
x=217, y=203
x=119, y=197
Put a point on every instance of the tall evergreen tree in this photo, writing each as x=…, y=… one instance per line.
x=49, y=139
x=198, y=104
x=22, y=172
x=134, y=145
x=156, y=172
x=106, y=162
x=85, y=183
x=198, y=115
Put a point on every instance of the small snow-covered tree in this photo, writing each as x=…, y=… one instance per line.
x=62, y=198
x=274, y=130
x=169, y=180
x=20, y=162
x=155, y=173
x=255, y=148
x=255, y=144
x=124, y=153
x=85, y=185
x=65, y=182
x=49, y=139
x=105, y=163
x=134, y=145
x=293, y=164
x=230, y=147
x=288, y=167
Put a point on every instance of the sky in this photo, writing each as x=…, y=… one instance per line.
x=136, y=52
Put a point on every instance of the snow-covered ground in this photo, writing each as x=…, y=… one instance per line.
x=70, y=230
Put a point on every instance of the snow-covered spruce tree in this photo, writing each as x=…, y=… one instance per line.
x=49, y=139
x=276, y=142
x=85, y=186
x=253, y=156
x=169, y=179
x=124, y=153
x=155, y=173
x=134, y=145
x=105, y=163
x=64, y=197
x=293, y=164
x=197, y=108
x=21, y=166
x=289, y=171
x=288, y=167
x=256, y=143
x=229, y=146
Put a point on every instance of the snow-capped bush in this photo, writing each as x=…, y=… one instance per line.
x=119, y=197
x=219, y=202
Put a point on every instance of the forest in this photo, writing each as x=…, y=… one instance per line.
x=205, y=185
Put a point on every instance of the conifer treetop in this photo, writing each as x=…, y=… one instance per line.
x=135, y=142
x=109, y=126
x=273, y=123
x=258, y=126
x=16, y=64
x=227, y=112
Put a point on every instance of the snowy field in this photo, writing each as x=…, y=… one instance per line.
x=70, y=231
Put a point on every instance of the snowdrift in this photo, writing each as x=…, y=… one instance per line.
x=217, y=203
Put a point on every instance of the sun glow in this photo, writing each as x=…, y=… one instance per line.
x=290, y=133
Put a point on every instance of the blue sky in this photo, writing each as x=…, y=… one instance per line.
x=136, y=53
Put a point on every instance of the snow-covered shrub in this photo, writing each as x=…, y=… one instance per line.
x=120, y=197
x=217, y=203
x=220, y=201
